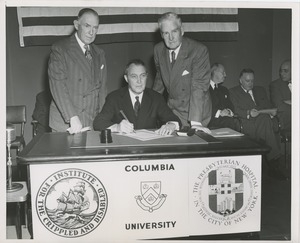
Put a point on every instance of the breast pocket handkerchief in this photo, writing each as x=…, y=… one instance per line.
x=185, y=72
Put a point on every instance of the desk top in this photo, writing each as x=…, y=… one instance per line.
x=58, y=147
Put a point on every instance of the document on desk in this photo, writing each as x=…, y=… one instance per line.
x=144, y=135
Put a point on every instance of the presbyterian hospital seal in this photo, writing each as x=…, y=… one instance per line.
x=71, y=202
x=226, y=192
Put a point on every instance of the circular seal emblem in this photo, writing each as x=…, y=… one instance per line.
x=226, y=192
x=71, y=203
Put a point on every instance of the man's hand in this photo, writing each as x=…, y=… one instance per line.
x=201, y=128
x=125, y=127
x=226, y=112
x=254, y=113
x=166, y=129
x=75, y=125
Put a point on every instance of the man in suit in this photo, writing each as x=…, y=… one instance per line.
x=77, y=76
x=222, y=108
x=280, y=93
x=183, y=69
x=253, y=107
x=41, y=111
x=142, y=107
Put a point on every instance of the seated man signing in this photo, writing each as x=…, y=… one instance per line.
x=142, y=107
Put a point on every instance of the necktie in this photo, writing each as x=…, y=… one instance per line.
x=88, y=54
x=216, y=86
x=251, y=95
x=173, y=58
x=137, y=106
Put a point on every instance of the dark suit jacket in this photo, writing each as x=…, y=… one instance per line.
x=187, y=83
x=41, y=111
x=153, y=110
x=279, y=91
x=242, y=101
x=221, y=100
x=77, y=87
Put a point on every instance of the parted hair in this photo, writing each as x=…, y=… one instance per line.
x=87, y=10
x=137, y=62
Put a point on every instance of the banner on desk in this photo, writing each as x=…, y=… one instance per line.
x=121, y=200
x=225, y=195
x=146, y=199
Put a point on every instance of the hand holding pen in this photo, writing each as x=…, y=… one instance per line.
x=125, y=125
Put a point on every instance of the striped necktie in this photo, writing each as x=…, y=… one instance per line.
x=88, y=54
x=137, y=106
x=173, y=58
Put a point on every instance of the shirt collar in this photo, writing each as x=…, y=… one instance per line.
x=212, y=84
x=81, y=44
x=132, y=96
x=176, y=52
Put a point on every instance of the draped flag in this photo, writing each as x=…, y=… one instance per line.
x=45, y=25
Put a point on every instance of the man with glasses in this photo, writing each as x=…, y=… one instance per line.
x=136, y=107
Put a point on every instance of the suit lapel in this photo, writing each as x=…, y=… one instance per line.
x=145, y=106
x=78, y=56
x=127, y=106
x=179, y=64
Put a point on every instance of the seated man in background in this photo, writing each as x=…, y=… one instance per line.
x=143, y=108
x=222, y=108
x=41, y=112
x=280, y=93
x=253, y=107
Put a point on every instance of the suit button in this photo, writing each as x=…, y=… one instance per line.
x=79, y=80
x=183, y=89
x=83, y=110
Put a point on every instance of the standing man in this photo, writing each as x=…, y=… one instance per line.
x=222, y=107
x=142, y=107
x=280, y=93
x=77, y=76
x=183, y=68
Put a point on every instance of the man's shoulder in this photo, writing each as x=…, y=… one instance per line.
x=235, y=89
x=259, y=88
x=154, y=94
x=98, y=49
x=193, y=44
x=117, y=93
x=63, y=43
x=159, y=46
x=277, y=82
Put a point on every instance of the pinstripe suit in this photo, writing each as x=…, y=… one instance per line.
x=78, y=88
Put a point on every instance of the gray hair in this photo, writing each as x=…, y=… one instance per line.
x=169, y=16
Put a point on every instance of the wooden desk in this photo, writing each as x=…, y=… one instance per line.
x=177, y=176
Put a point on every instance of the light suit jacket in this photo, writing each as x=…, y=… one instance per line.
x=187, y=83
x=78, y=88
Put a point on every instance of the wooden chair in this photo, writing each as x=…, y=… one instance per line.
x=17, y=115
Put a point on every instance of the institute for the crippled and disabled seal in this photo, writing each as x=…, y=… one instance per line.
x=71, y=203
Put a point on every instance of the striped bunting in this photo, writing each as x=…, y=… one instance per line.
x=45, y=25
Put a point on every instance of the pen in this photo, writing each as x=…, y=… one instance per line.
x=125, y=117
